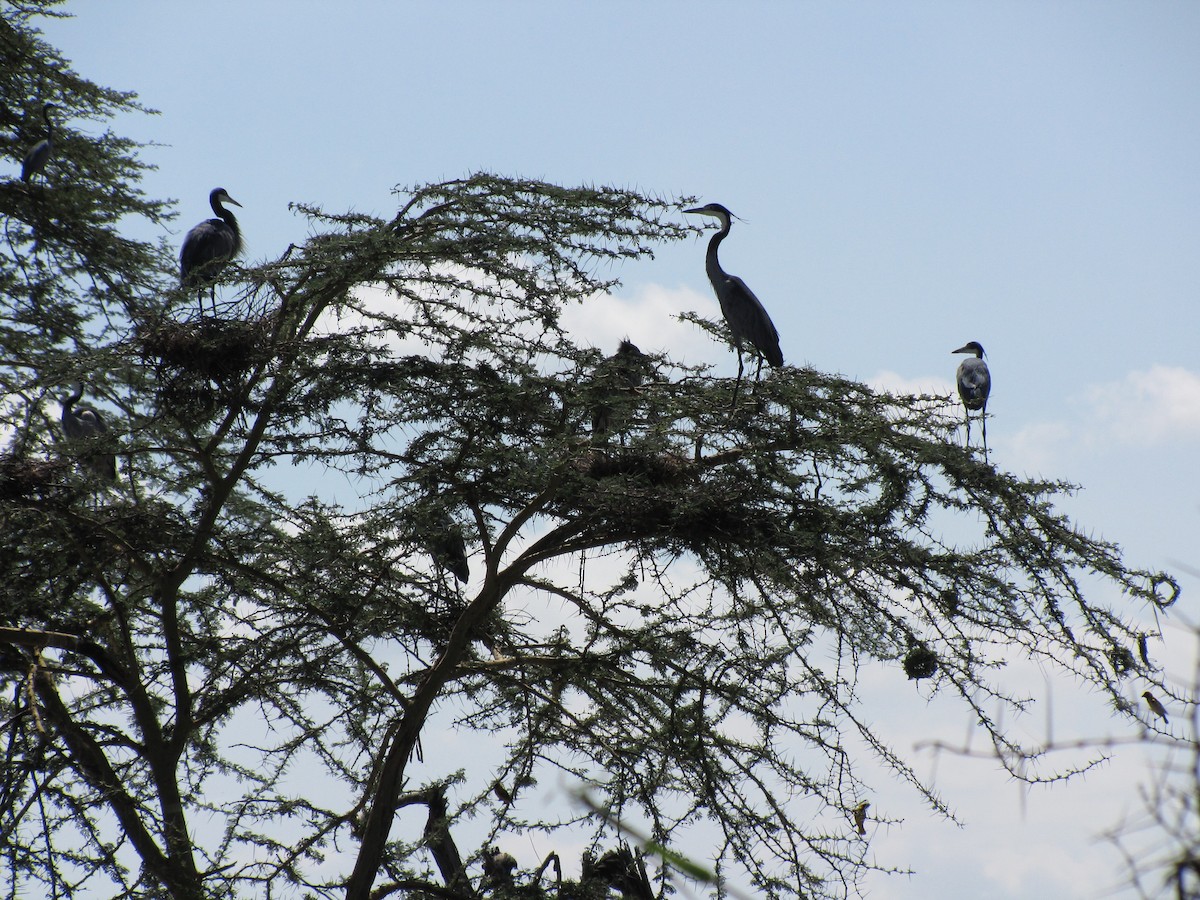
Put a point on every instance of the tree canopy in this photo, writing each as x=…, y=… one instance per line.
x=224, y=678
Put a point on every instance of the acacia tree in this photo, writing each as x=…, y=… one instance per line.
x=221, y=682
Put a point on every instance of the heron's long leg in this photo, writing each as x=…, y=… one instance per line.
x=968, y=443
x=983, y=419
x=738, y=381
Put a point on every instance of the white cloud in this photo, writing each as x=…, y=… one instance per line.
x=1149, y=407
x=648, y=318
x=895, y=383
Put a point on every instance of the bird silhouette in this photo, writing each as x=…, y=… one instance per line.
x=615, y=380
x=39, y=154
x=974, y=386
x=744, y=313
x=209, y=246
x=82, y=423
x=449, y=549
x=1155, y=706
x=860, y=817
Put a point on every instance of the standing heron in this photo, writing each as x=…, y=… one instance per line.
x=974, y=385
x=617, y=378
x=83, y=423
x=39, y=154
x=209, y=246
x=744, y=313
x=449, y=548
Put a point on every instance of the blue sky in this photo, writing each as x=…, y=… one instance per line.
x=910, y=176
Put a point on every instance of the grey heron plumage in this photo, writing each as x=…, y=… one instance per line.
x=39, y=154
x=81, y=422
x=974, y=386
x=210, y=245
x=744, y=313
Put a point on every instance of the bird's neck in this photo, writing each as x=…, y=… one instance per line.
x=226, y=216
x=711, y=265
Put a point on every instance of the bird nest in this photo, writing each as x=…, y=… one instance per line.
x=214, y=349
x=24, y=481
x=190, y=358
x=656, y=496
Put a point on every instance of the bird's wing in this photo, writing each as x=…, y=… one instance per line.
x=35, y=159
x=211, y=241
x=748, y=319
x=974, y=381
x=92, y=421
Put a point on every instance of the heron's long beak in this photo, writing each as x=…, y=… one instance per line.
x=963, y=350
x=229, y=199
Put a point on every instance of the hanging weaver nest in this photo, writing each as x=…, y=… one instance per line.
x=1122, y=661
x=25, y=481
x=920, y=662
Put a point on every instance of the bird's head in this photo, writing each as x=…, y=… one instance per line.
x=220, y=195
x=71, y=399
x=974, y=347
x=716, y=210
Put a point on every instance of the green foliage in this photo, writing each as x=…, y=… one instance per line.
x=222, y=674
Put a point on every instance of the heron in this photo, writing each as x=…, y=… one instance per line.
x=81, y=422
x=618, y=375
x=744, y=313
x=209, y=246
x=39, y=154
x=449, y=549
x=974, y=385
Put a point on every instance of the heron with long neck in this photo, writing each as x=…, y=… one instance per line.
x=744, y=313
x=82, y=423
x=209, y=246
x=39, y=154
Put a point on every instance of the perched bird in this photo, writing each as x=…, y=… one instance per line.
x=449, y=549
x=617, y=377
x=745, y=315
x=974, y=385
x=209, y=246
x=498, y=866
x=1157, y=708
x=82, y=423
x=39, y=154
x=860, y=817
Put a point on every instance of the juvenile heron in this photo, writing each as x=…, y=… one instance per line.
x=743, y=312
x=615, y=381
x=209, y=246
x=39, y=154
x=82, y=423
x=974, y=385
x=449, y=549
